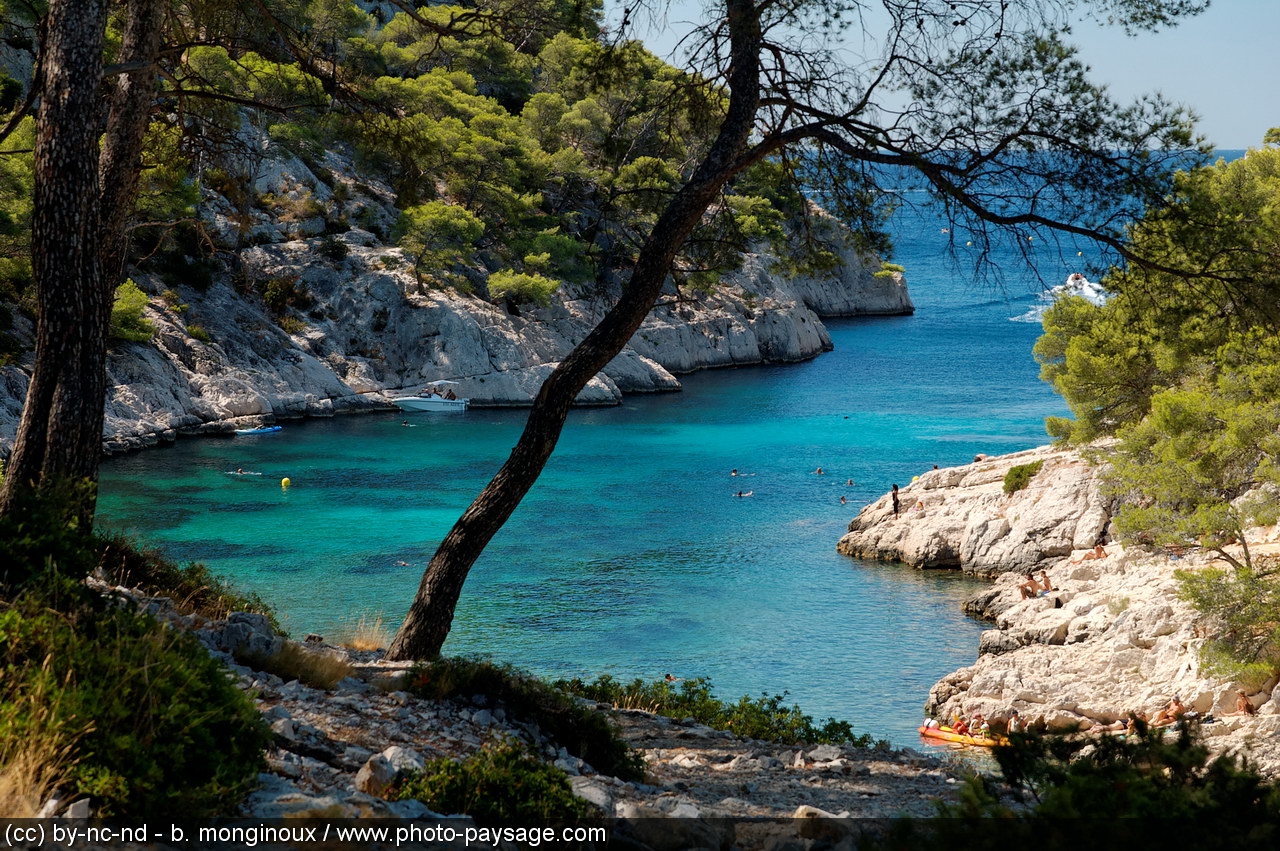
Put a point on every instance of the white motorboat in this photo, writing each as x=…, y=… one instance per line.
x=433, y=398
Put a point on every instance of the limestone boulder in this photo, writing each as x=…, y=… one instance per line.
x=961, y=517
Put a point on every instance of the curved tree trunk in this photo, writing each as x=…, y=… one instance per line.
x=430, y=616
x=60, y=435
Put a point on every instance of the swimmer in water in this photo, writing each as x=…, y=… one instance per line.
x=849, y=483
x=819, y=472
x=734, y=471
x=740, y=493
x=843, y=501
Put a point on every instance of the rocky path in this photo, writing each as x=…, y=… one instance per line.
x=337, y=752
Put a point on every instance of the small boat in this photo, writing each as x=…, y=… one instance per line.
x=946, y=734
x=432, y=399
x=262, y=430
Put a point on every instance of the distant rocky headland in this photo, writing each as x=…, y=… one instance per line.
x=1112, y=637
x=359, y=327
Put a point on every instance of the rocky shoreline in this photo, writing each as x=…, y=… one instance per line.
x=1113, y=636
x=336, y=752
x=359, y=326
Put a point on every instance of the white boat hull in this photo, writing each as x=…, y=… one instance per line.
x=430, y=403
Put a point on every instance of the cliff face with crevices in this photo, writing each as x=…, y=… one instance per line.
x=367, y=329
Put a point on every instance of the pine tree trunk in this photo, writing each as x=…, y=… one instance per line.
x=60, y=435
x=131, y=97
x=430, y=616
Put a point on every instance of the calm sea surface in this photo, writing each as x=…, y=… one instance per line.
x=632, y=556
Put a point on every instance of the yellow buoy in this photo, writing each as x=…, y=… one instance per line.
x=969, y=243
x=284, y=483
x=915, y=478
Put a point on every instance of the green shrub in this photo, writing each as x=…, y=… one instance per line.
x=584, y=732
x=766, y=717
x=127, y=321
x=158, y=728
x=1150, y=775
x=333, y=249
x=1020, y=476
x=283, y=292
x=522, y=288
x=502, y=783
x=293, y=209
x=192, y=587
x=198, y=332
x=292, y=325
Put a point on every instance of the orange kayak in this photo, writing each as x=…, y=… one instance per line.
x=946, y=734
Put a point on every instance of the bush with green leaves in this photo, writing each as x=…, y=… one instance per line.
x=127, y=320
x=522, y=288
x=1157, y=789
x=766, y=717
x=285, y=291
x=1157, y=773
x=586, y=733
x=154, y=724
x=332, y=248
x=198, y=332
x=502, y=783
x=1020, y=475
x=158, y=728
x=42, y=534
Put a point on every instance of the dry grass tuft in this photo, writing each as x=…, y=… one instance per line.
x=33, y=757
x=368, y=633
x=317, y=669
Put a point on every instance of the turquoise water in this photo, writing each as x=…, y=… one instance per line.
x=631, y=555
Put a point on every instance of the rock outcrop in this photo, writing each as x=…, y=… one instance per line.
x=1112, y=637
x=362, y=326
x=960, y=517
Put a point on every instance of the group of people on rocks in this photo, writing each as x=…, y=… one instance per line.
x=1173, y=713
x=978, y=726
x=897, y=501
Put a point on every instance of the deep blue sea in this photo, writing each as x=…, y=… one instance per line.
x=632, y=555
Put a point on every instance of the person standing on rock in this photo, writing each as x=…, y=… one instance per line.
x=896, y=505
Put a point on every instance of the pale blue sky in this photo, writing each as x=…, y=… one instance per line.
x=1224, y=64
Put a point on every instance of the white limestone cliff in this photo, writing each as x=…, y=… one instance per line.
x=1112, y=637
x=961, y=517
x=370, y=330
